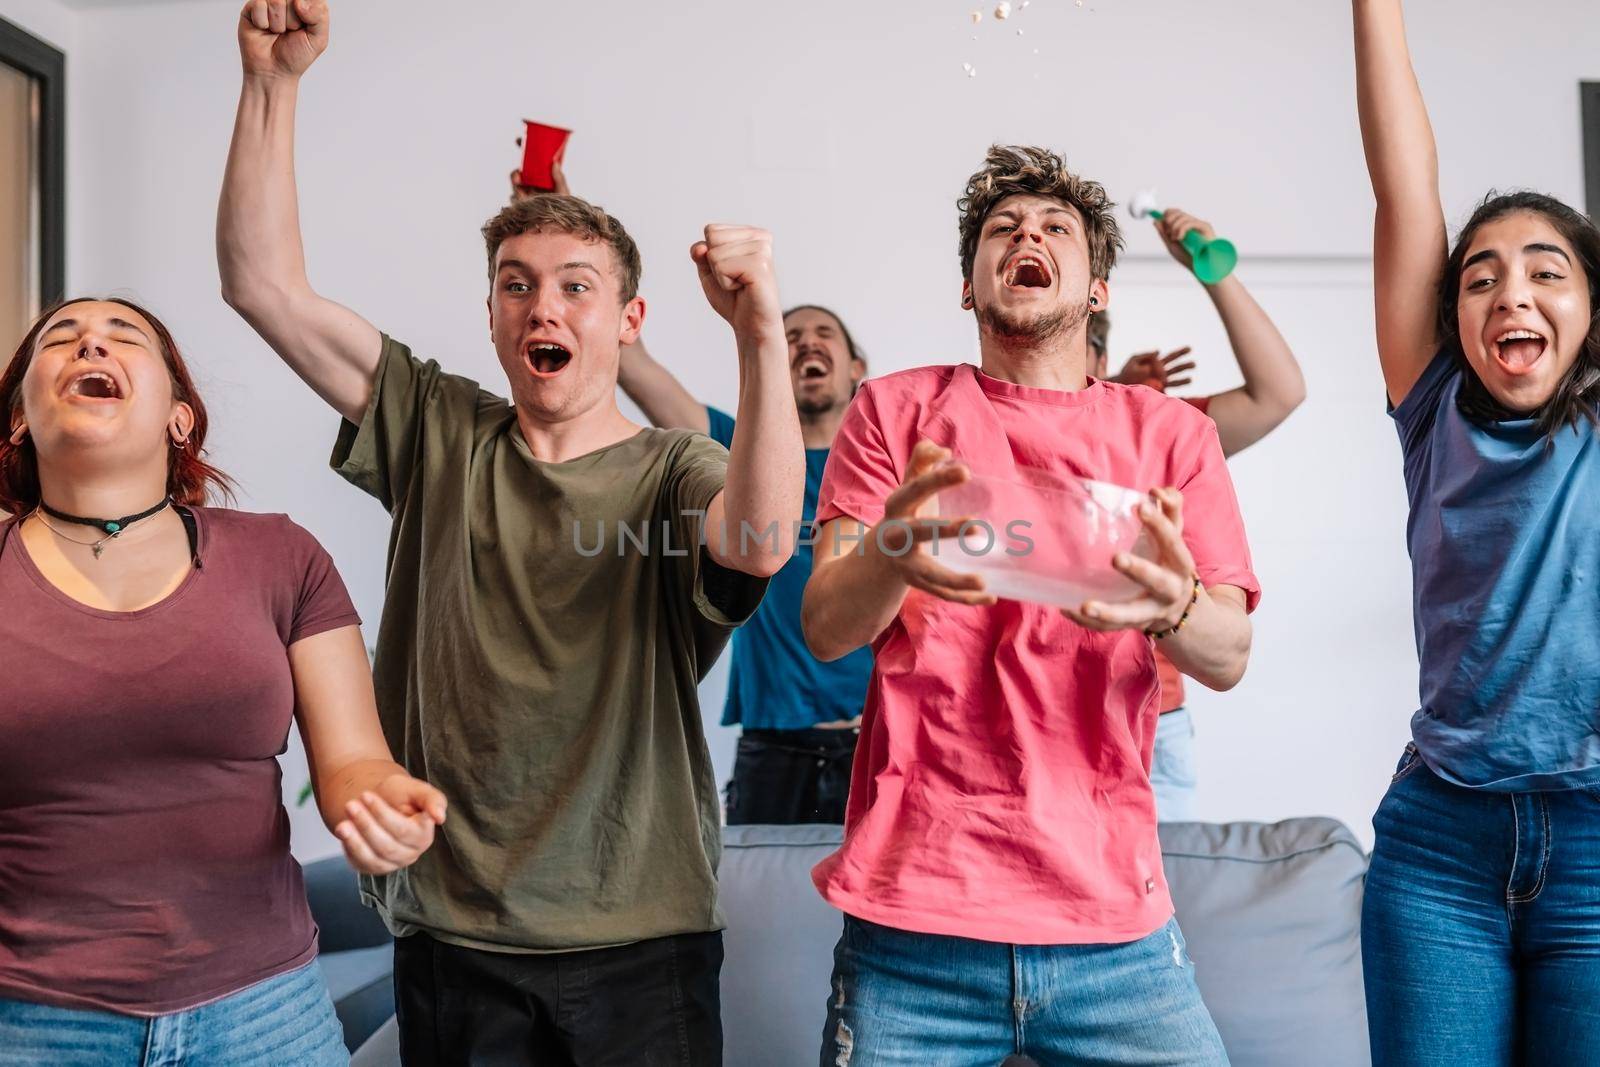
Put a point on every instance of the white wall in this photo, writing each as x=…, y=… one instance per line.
x=848, y=128
x=51, y=21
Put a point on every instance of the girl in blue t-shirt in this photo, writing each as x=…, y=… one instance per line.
x=1481, y=924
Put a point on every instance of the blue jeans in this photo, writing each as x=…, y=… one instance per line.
x=281, y=1021
x=1172, y=773
x=1480, y=930
x=923, y=1000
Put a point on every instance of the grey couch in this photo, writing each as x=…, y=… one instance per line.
x=357, y=956
x=1271, y=913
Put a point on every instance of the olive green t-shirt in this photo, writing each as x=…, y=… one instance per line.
x=538, y=664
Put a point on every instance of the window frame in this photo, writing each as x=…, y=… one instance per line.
x=47, y=65
x=1589, y=96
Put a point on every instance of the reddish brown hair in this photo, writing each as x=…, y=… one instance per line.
x=190, y=479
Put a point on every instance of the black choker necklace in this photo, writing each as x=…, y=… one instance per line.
x=110, y=526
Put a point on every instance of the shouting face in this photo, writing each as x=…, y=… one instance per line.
x=1523, y=308
x=825, y=373
x=558, y=322
x=1031, y=281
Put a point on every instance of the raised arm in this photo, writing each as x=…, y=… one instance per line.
x=657, y=391
x=1273, y=385
x=766, y=481
x=259, y=251
x=1409, y=239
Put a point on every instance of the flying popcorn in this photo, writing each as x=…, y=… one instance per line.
x=1002, y=10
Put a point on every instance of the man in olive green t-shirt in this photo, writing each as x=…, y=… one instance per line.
x=559, y=580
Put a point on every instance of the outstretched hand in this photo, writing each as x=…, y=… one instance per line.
x=1168, y=580
x=907, y=526
x=1171, y=371
x=391, y=824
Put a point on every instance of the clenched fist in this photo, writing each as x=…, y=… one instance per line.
x=282, y=38
x=736, y=272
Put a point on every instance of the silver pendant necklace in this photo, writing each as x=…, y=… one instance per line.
x=97, y=547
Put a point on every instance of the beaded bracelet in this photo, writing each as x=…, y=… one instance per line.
x=1194, y=598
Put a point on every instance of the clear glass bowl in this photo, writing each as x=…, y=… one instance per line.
x=1046, y=539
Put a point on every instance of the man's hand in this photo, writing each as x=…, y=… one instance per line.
x=282, y=38
x=522, y=192
x=1168, y=580
x=1171, y=371
x=1171, y=228
x=908, y=524
x=390, y=825
x=735, y=264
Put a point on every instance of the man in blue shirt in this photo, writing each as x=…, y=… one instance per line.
x=800, y=716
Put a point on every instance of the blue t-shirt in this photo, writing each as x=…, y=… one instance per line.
x=1504, y=534
x=775, y=683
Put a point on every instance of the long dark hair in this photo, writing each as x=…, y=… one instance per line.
x=1577, y=397
x=190, y=479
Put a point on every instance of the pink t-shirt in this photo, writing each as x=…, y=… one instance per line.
x=1001, y=789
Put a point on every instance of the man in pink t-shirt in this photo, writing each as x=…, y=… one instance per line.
x=1001, y=875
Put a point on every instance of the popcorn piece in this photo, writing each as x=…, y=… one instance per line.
x=1002, y=10
x=977, y=16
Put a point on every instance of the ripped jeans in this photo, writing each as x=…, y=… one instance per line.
x=926, y=1000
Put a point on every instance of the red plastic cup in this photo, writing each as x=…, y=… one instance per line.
x=541, y=146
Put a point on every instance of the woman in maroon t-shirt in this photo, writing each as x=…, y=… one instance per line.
x=154, y=651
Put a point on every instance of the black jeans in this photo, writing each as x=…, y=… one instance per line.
x=654, y=1003
x=790, y=776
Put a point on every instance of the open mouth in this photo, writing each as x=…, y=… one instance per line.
x=813, y=368
x=1517, y=351
x=547, y=359
x=1027, y=271
x=96, y=385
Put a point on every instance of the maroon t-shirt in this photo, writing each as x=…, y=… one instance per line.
x=144, y=849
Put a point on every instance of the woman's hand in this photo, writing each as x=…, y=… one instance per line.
x=390, y=825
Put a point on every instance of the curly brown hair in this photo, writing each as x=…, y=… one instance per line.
x=566, y=214
x=1012, y=169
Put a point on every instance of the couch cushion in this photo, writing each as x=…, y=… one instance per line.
x=1272, y=915
x=362, y=986
x=343, y=922
x=382, y=1048
x=779, y=943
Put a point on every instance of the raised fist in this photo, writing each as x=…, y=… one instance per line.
x=736, y=272
x=282, y=38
